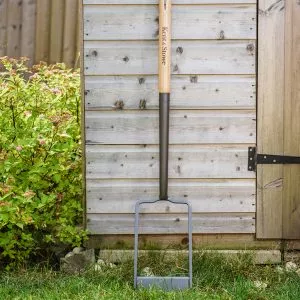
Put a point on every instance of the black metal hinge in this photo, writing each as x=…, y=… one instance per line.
x=255, y=159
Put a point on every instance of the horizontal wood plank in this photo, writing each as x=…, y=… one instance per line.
x=111, y=196
x=201, y=241
x=140, y=22
x=188, y=92
x=171, y=223
x=186, y=127
x=118, y=2
x=189, y=161
x=188, y=57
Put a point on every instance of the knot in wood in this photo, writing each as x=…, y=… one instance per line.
x=222, y=35
x=141, y=80
x=143, y=104
x=250, y=47
x=194, y=79
x=119, y=105
x=179, y=50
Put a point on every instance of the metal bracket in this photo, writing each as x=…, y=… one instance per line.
x=268, y=159
x=167, y=282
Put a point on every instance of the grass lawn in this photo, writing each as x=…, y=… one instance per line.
x=214, y=278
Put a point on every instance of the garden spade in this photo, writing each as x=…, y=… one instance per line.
x=164, y=78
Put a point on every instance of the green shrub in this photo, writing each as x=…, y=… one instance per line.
x=40, y=159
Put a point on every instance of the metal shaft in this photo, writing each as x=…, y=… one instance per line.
x=164, y=103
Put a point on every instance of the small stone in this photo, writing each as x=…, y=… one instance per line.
x=77, y=250
x=98, y=267
x=298, y=272
x=112, y=266
x=260, y=285
x=147, y=272
x=69, y=254
x=290, y=266
x=101, y=262
x=74, y=263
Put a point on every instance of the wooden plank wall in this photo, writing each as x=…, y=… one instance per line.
x=42, y=30
x=278, y=190
x=213, y=116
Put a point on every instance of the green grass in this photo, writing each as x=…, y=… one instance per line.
x=214, y=278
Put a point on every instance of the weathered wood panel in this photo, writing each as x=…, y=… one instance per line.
x=188, y=57
x=35, y=29
x=201, y=241
x=188, y=92
x=140, y=22
x=28, y=29
x=110, y=196
x=43, y=8
x=79, y=38
x=171, y=223
x=210, y=109
x=57, y=30
x=14, y=17
x=270, y=117
x=189, y=161
x=186, y=127
x=105, y=2
x=3, y=27
x=291, y=177
x=70, y=32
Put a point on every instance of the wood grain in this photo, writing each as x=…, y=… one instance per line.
x=201, y=241
x=186, y=161
x=140, y=22
x=270, y=117
x=105, y=2
x=186, y=127
x=188, y=92
x=171, y=223
x=291, y=190
x=57, y=30
x=70, y=32
x=28, y=30
x=194, y=57
x=14, y=28
x=3, y=26
x=213, y=118
x=42, y=30
x=213, y=196
x=79, y=37
x=164, y=45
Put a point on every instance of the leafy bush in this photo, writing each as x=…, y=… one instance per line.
x=40, y=158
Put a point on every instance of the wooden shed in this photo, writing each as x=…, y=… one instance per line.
x=235, y=85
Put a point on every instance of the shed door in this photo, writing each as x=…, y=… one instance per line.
x=278, y=186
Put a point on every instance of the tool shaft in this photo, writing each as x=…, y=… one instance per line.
x=164, y=74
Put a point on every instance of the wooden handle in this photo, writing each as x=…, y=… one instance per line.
x=164, y=62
